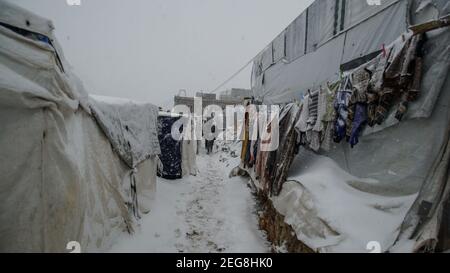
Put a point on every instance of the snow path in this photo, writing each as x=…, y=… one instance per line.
x=205, y=213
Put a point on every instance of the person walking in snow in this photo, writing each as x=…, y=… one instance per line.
x=212, y=140
x=210, y=135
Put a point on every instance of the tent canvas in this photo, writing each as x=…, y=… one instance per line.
x=396, y=167
x=62, y=176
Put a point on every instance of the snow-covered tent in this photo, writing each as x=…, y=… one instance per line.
x=393, y=186
x=72, y=167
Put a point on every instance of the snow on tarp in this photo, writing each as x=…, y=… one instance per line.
x=130, y=126
x=401, y=166
x=60, y=180
x=329, y=215
x=39, y=53
x=19, y=17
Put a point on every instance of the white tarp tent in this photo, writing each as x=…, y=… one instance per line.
x=377, y=191
x=65, y=174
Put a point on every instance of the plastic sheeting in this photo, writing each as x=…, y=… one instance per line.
x=314, y=29
x=267, y=58
x=334, y=204
x=358, y=10
x=400, y=166
x=21, y=18
x=329, y=215
x=321, y=20
x=279, y=47
x=370, y=35
x=60, y=179
x=428, y=10
x=131, y=127
x=286, y=82
x=421, y=227
x=295, y=34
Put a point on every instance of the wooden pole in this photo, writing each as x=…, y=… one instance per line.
x=431, y=25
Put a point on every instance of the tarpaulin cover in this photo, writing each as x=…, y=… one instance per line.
x=359, y=10
x=279, y=47
x=60, y=180
x=130, y=126
x=24, y=19
x=170, y=149
x=295, y=34
x=372, y=34
x=267, y=58
x=282, y=82
x=285, y=82
x=321, y=19
x=391, y=187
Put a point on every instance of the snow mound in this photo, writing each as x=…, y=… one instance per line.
x=329, y=215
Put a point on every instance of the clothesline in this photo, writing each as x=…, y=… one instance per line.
x=362, y=97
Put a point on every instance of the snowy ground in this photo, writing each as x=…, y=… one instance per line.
x=209, y=212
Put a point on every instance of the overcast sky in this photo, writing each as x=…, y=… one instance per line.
x=147, y=50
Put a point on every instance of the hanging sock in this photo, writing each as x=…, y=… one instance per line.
x=358, y=124
x=341, y=103
x=402, y=107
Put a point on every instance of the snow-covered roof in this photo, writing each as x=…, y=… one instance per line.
x=130, y=126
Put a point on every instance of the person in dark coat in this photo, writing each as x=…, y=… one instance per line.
x=210, y=137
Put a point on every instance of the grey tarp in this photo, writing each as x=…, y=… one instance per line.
x=321, y=18
x=406, y=161
x=371, y=34
x=286, y=81
x=267, y=58
x=296, y=32
x=19, y=17
x=279, y=47
x=358, y=10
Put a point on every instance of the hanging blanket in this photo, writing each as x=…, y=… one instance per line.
x=170, y=149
